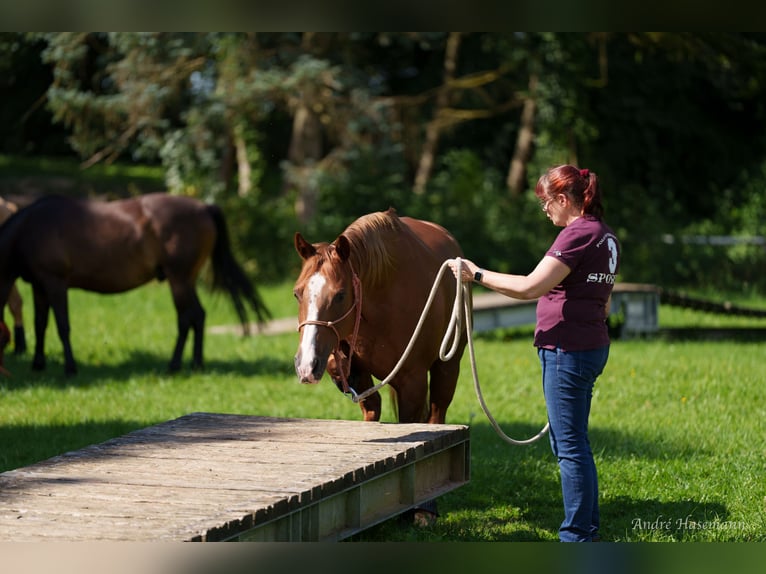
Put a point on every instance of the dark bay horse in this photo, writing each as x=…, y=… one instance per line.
x=58, y=243
x=362, y=295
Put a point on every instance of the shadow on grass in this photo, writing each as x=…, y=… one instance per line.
x=139, y=364
x=717, y=334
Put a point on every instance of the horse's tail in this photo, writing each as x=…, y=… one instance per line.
x=229, y=276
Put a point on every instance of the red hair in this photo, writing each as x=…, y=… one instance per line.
x=579, y=185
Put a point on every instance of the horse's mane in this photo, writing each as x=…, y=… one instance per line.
x=370, y=253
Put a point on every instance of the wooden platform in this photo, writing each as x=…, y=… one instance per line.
x=637, y=303
x=209, y=477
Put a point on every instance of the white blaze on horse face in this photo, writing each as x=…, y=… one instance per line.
x=309, y=332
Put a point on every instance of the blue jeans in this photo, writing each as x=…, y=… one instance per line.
x=568, y=379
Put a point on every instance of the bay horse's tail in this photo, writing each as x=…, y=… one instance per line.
x=229, y=276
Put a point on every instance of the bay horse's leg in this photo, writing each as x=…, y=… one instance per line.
x=5, y=334
x=42, y=308
x=198, y=327
x=14, y=305
x=58, y=301
x=444, y=376
x=191, y=315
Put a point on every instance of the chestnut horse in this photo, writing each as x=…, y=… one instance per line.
x=360, y=298
x=58, y=243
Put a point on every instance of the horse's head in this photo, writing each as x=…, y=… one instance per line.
x=328, y=297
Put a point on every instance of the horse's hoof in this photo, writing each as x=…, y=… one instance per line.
x=424, y=518
x=38, y=365
x=424, y=515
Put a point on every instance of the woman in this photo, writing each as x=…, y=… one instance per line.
x=573, y=282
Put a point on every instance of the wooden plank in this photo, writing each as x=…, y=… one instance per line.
x=217, y=477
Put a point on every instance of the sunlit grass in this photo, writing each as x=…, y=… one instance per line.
x=677, y=426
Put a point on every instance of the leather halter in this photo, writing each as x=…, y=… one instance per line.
x=337, y=353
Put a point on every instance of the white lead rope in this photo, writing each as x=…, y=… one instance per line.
x=460, y=311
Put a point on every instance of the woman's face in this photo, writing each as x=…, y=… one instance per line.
x=560, y=210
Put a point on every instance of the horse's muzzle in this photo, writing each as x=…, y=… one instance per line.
x=309, y=372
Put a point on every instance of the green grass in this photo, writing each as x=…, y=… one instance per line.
x=677, y=426
x=63, y=175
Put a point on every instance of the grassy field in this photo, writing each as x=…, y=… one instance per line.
x=677, y=426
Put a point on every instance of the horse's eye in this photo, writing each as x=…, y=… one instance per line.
x=339, y=296
x=298, y=295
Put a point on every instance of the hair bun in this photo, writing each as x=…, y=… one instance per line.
x=584, y=172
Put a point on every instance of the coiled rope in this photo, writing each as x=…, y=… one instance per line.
x=461, y=313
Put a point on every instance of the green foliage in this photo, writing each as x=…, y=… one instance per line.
x=46, y=175
x=671, y=122
x=725, y=252
x=501, y=231
x=494, y=228
x=262, y=233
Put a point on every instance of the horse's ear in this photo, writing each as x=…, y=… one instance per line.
x=342, y=247
x=303, y=247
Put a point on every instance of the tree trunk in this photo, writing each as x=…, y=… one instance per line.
x=305, y=151
x=517, y=172
x=427, y=157
x=244, y=170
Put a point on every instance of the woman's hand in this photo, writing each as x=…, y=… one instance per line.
x=465, y=270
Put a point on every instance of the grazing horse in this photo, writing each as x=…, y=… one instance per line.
x=7, y=209
x=359, y=301
x=59, y=243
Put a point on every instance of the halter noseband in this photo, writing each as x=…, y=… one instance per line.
x=337, y=353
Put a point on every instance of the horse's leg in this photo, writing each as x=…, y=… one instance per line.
x=198, y=326
x=411, y=389
x=360, y=380
x=372, y=405
x=14, y=305
x=444, y=376
x=191, y=315
x=58, y=301
x=42, y=308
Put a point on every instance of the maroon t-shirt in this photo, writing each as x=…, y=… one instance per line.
x=572, y=315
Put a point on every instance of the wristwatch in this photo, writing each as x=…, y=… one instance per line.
x=478, y=276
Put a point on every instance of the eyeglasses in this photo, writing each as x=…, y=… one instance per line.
x=544, y=203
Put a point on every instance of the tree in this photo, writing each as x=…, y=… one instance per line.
x=322, y=127
x=25, y=123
